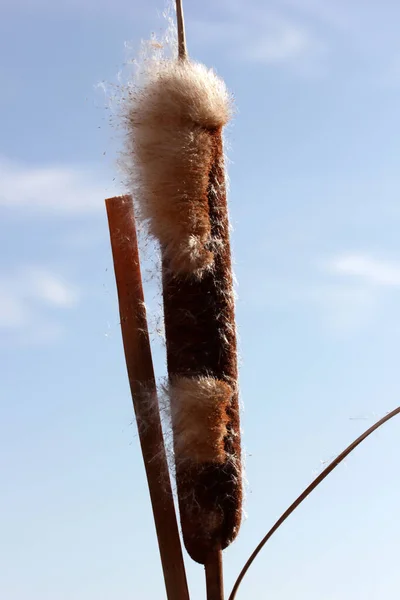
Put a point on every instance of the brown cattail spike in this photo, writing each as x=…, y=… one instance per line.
x=176, y=167
x=201, y=345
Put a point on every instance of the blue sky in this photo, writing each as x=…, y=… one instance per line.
x=315, y=184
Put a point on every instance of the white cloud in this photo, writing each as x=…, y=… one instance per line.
x=334, y=13
x=87, y=8
x=351, y=292
x=50, y=289
x=282, y=42
x=28, y=298
x=51, y=189
x=358, y=299
x=301, y=34
x=258, y=34
x=343, y=309
x=367, y=269
x=339, y=308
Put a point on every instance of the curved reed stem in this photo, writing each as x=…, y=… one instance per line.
x=306, y=493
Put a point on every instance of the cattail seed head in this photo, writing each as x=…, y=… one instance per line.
x=176, y=168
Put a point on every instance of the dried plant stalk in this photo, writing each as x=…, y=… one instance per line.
x=317, y=481
x=143, y=387
x=214, y=577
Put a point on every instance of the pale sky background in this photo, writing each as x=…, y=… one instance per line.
x=315, y=186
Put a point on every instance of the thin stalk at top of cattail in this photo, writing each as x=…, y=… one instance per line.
x=176, y=163
x=182, y=51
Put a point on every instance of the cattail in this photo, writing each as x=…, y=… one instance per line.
x=176, y=166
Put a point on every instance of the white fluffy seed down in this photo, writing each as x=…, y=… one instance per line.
x=171, y=122
x=199, y=418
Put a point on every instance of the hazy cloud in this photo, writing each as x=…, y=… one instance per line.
x=29, y=299
x=52, y=189
x=367, y=269
x=260, y=35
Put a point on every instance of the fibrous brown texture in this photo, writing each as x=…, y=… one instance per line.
x=201, y=342
x=169, y=120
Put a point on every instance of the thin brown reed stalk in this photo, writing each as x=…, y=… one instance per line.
x=307, y=492
x=182, y=50
x=139, y=364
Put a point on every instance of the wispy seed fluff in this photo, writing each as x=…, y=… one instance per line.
x=172, y=120
x=199, y=418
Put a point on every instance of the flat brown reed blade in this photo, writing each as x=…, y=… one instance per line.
x=139, y=364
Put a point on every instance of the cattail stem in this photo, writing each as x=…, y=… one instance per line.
x=214, y=575
x=182, y=50
x=139, y=364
